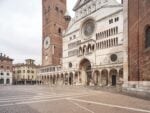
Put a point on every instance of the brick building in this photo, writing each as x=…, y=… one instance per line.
x=53, y=26
x=137, y=43
x=5, y=69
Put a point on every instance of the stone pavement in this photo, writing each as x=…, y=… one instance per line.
x=44, y=99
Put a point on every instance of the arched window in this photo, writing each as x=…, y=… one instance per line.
x=1, y=81
x=7, y=81
x=107, y=44
x=89, y=9
x=116, y=30
x=96, y=36
x=109, y=32
x=2, y=66
x=147, y=40
x=56, y=8
x=49, y=8
x=105, y=34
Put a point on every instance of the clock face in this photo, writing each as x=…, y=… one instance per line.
x=88, y=28
x=46, y=42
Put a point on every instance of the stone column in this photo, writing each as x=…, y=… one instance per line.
x=49, y=80
x=100, y=79
x=10, y=80
x=125, y=46
x=119, y=83
x=63, y=79
x=93, y=79
x=83, y=77
x=78, y=75
x=67, y=77
x=73, y=79
x=117, y=76
x=109, y=77
x=4, y=81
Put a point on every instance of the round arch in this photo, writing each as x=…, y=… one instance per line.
x=96, y=77
x=104, y=77
x=7, y=81
x=85, y=69
x=89, y=48
x=1, y=81
x=113, y=76
x=84, y=49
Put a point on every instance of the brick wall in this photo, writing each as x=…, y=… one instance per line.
x=53, y=19
x=139, y=57
x=5, y=64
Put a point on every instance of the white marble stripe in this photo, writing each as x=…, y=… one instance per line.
x=111, y=105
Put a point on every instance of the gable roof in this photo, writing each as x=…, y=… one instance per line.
x=80, y=3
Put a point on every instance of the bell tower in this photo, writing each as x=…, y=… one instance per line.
x=54, y=24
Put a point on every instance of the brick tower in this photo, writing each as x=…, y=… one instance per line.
x=54, y=24
x=137, y=29
x=139, y=40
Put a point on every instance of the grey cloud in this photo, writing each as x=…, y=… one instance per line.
x=20, y=29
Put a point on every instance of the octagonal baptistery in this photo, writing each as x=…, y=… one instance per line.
x=93, y=43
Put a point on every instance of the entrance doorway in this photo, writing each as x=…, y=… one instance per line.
x=71, y=79
x=113, y=77
x=7, y=81
x=113, y=80
x=85, y=67
x=2, y=81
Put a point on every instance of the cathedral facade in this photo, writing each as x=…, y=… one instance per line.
x=93, y=43
x=92, y=46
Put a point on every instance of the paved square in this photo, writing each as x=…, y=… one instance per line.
x=44, y=99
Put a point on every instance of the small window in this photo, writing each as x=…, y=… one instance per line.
x=59, y=31
x=28, y=71
x=110, y=21
x=116, y=19
x=70, y=65
x=62, y=12
x=74, y=36
x=49, y=8
x=147, y=40
x=56, y=9
x=19, y=71
x=7, y=67
x=70, y=38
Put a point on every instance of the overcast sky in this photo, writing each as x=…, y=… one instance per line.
x=21, y=28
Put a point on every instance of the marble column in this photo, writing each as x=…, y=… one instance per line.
x=125, y=44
